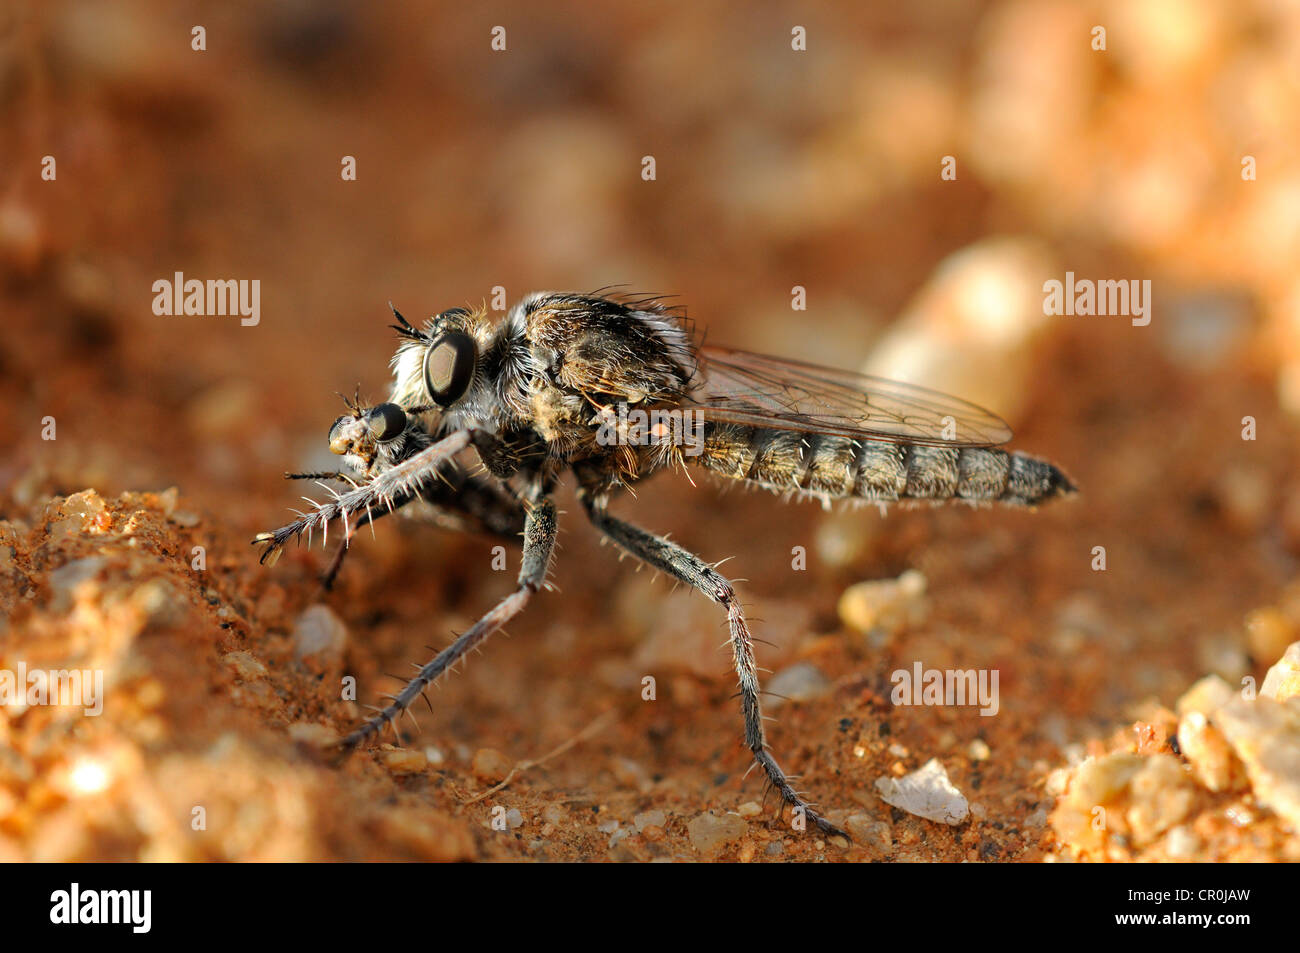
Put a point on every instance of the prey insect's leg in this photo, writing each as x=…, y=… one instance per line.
x=668, y=557
x=539, y=542
x=395, y=486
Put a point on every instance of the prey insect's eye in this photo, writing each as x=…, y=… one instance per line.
x=340, y=441
x=449, y=367
x=386, y=422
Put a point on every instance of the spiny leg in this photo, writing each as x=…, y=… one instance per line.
x=470, y=499
x=390, y=489
x=668, y=557
x=539, y=542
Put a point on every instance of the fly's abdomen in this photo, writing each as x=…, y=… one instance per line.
x=841, y=468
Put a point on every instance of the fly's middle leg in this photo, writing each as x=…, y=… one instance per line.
x=539, y=544
x=680, y=563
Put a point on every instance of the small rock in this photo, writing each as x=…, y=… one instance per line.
x=1103, y=780
x=1162, y=796
x=1268, y=633
x=801, y=682
x=926, y=793
x=1265, y=734
x=749, y=809
x=514, y=818
x=404, y=760
x=646, y=819
x=978, y=750
x=883, y=603
x=319, y=635
x=868, y=832
x=1181, y=843
x=311, y=734
x=186, y=519
x=1208, y=694
x=245, y=665
x=555, y=814
x=490, y=766
x=1283, y=679
x=1209, y=754
x=711, y=832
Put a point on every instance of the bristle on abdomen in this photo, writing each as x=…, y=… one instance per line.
x=831, y=467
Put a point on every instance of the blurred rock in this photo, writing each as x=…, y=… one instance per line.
x=709, y=833
x=888, y=604
x=1282, y=682
x=491, y=766
x=1265, y=734
x=971, y=329
x=801, y=682
x=319, y=636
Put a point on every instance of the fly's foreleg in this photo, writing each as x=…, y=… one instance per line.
x=394, y=487
x=672, y=559
x=539, y=543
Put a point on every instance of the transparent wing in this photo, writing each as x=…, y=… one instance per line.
x=758, y=390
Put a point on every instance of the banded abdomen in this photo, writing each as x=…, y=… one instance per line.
x=833, y=467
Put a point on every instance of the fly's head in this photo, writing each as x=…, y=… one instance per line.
x=437, y=366
x=374, y=438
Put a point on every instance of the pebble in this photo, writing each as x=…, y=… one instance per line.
x=1269, y=633
x=1265, y=734
x=319, y=635
x=883, y=603
x=1103, y=780
x=926, y=793
x=404, y=760
x=711, y=832
x=801, y=682
x=749, y=809
x=868, y=832
x=1182, y=843
x=1206, y=696
x=1161, y=796
x=646, y=819
x=490, y=766
x=311, y=734
x=979, y=750
x=245, y=664
x=1209, y=754
x=1283, y=679
x=514, y=819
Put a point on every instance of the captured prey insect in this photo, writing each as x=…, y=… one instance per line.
x=371, y=440
x=613, y=389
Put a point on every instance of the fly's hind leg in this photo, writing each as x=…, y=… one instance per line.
x=539, y=543
x=670, y=558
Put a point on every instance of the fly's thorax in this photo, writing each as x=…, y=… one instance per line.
x=628, y=351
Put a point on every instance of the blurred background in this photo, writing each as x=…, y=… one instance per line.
x=795, y=148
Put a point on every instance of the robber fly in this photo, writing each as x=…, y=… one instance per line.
x=612, y=389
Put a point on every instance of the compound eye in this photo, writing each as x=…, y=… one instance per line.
x=386, y=422
x=449, y=367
